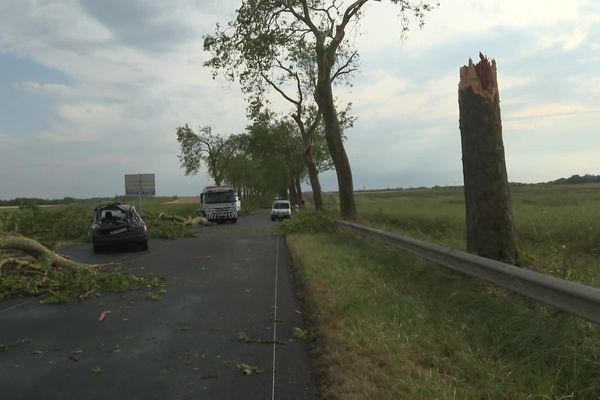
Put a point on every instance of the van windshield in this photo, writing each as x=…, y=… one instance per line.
x=219, y=197
x=281, y=206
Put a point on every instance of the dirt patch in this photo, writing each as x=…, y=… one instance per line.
x=184, y=200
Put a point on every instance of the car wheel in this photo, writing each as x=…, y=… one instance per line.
x=234, y=220
x=97, y=249
x=145, y=245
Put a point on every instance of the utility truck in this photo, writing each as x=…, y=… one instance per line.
x=220, y=204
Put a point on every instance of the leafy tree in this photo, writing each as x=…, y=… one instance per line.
x=204, y=147
x=275, y=37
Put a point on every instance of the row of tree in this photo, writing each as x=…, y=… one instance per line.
x=271, y=157
x=575, y=179
x=296, y=48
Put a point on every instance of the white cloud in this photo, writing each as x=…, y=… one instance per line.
x=9, y=142
x=393, y=98
x=137, y=88
x=549, y=110
x=84, y=123
x=458, y=20
x=567, y=41
x=507, y=83
x=51, y=89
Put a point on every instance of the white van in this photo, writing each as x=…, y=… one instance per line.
x=281, y=209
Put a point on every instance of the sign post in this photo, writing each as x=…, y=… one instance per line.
x=140, y=185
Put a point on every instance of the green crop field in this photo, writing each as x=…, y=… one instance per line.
x=70, y=223
x=387, y=325
x=558, y=227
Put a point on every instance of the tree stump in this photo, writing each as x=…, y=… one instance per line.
x=490, y=230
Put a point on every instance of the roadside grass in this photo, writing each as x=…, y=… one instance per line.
x=387, y=325
x=558, y=227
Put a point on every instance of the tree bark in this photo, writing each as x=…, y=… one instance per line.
x=313, y=176
x=333, y=133
x=292, y=189
x=489, y=219
x=37, y=250
x=299, y=195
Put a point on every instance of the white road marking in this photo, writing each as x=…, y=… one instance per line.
x=275, y=317
x=20, y=304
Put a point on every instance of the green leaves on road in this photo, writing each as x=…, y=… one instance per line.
x=246, y=369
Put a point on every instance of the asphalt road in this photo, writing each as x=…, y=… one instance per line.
x=229, y=279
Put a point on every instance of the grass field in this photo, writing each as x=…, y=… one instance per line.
x=558, y=227
x=387, y=325
x=70, y=223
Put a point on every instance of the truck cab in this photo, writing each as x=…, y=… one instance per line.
x=220, y=204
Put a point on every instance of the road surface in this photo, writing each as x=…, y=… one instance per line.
x=229, y=279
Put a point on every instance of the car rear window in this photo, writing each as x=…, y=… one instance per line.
x=112, y=213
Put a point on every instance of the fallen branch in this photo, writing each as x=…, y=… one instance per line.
x=244, y=338
x=39, y=251
x=183, y=221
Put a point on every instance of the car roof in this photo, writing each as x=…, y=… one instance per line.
x=124, y=207
x=281, y=201
x=218, y=189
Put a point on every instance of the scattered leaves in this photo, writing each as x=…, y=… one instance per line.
x=156, y=295
x=244, y=338
x=246, y=369
x=300, y=334
x=59, y=285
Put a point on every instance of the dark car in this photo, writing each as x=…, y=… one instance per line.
x=116, y=224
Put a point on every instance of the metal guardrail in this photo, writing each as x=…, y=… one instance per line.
x=572, y=297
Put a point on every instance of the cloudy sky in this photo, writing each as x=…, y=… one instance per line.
x=91, y=90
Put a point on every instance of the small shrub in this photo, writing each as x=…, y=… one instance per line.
x=307, y=222
x=169, y=230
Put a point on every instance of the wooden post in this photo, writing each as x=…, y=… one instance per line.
x=490, y=230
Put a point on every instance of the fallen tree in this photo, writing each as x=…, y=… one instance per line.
x=28, y=268
x=189, y=221
x=13, y=242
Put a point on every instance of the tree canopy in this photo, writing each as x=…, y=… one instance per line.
x=271, y=42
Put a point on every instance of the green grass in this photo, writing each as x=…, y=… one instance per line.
x=391, y=326
x=70, y=223
x=388, y=325
x=558, y=227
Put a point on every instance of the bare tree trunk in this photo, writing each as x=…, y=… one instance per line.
x=292, y=189
x=333, y=136
x=313, y=176
x=299, y=195
x=490, y=230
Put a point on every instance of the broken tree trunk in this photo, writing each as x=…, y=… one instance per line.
x=490, y=230
x=33, y=248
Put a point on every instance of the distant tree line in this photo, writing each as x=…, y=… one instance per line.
x=587, y=178
x=25, y=201
x=266, y=160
